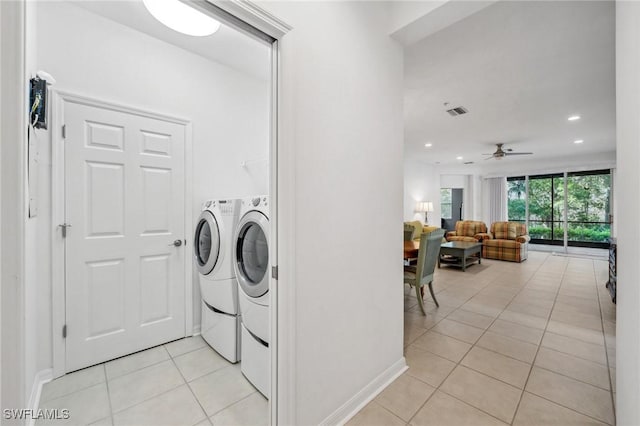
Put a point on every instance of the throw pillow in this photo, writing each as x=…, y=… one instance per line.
x=501, y=231
x=417, y=228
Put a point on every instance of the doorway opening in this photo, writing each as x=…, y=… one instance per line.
x=451, y=200
x=148, y=129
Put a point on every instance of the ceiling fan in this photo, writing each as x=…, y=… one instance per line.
x=501, y=153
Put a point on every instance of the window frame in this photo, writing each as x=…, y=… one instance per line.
x=564, y=221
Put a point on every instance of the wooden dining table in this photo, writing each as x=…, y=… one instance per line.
x=411, y=249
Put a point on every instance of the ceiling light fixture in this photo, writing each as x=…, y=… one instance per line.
x=574, y=118
x=579, y=141
x=458, y=158
x=181, y=17
x=428, y=145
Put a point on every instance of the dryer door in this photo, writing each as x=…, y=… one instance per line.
x=206, y=242
x=252, y=254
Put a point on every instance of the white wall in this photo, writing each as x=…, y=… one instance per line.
x=453, y=181
x=93, y=56
x=421, y=183
x=628, y=203
x=411, y=21
x=472, y=193
x=12, y=151
x=342, y=112
x=474, y=208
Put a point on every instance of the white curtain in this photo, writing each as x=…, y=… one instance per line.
x=497, y=199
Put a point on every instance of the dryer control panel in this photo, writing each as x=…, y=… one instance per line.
x=255, y=202
x=226, y=207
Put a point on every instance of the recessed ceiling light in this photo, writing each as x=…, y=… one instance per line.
x=182, y=18
x=459, y=158
x=574, y=118
x=579, y=141
x=428, y=145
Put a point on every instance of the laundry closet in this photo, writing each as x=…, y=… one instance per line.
x=149, y=201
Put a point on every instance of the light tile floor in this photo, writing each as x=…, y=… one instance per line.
x=181, y=383
x=521, y=344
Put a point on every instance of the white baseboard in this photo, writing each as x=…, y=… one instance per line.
x=196, y=330
x=42, y=377
x=366, y=394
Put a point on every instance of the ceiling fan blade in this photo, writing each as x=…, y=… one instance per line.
x=518, y=153
x=489, y=157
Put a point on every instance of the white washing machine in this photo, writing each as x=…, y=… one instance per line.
x=213, y=255
x=251, y=262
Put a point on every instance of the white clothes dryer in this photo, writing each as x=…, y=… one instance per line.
x=213, y=255
x=251, y=262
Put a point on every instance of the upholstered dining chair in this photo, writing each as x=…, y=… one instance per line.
x=422, y=274
x=408, y=232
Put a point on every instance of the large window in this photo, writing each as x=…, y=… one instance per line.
x=517, y=198
x=582, y=213
x=546, y=208
x=588, y=207
x=445, y=203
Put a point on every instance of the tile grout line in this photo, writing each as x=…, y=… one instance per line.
x=173, y=361
x=472, y=346
x=387, y=410
x=148, y=399
x=472, y=406
x=437, y=388
x=106, y=380
x=573, y=355
x=539, y=345
x=533, y=362
x=606, y=351
x=137, y=369
x=537, y=366
x=556, y=402
x=497, y=317
x=568, y=408
x=193, y=393
x=560, y=374
x=515, y=412
x=162, y=393
x=234, y=403
x=106, y=377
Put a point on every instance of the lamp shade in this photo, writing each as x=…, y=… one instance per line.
x=424, y=206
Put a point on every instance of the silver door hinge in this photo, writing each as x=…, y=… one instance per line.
x=64, y=227
x=64, y=131
x=64, y=331
x=274, y=272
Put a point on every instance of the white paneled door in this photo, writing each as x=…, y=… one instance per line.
x=125, y=243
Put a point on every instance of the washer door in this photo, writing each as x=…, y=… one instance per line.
x=206, y=242
x=252, y=254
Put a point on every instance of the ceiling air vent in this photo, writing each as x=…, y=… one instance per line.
x=457, y=111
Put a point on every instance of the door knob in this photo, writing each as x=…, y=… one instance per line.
x=176, y=243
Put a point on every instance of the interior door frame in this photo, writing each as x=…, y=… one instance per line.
x=282, y=155
x=251, y=19
x=58, y=292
